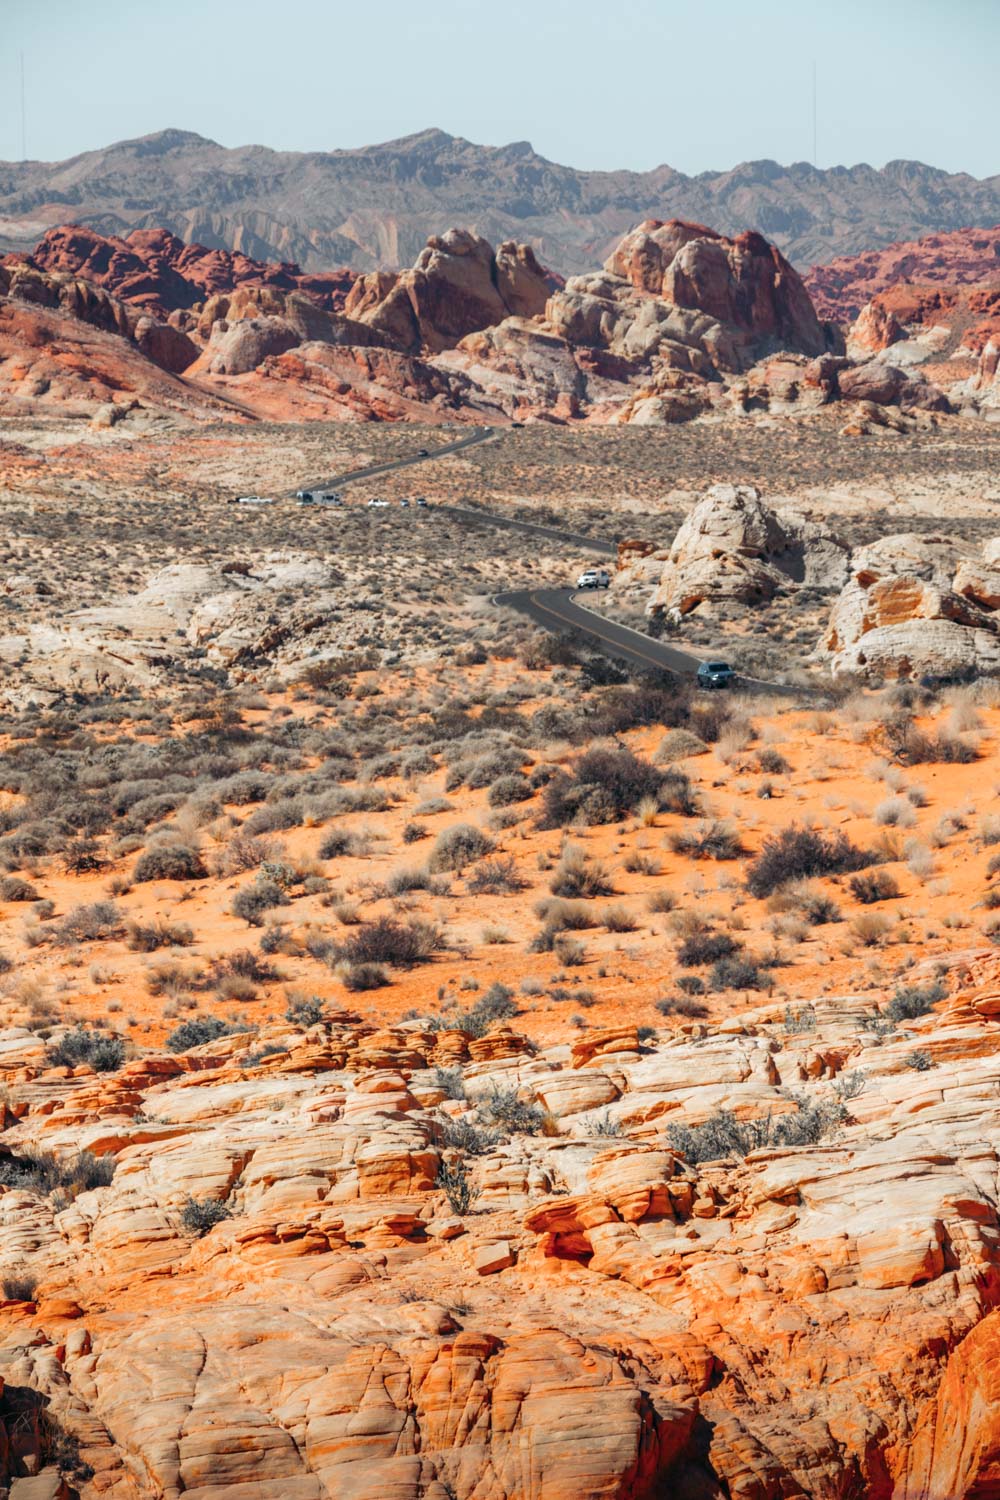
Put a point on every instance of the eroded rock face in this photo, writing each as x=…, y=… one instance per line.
x=613, y=1320
x=457, y=287
x=734, y=547
x=154, y=270
x=916, y=604
x=743, y=282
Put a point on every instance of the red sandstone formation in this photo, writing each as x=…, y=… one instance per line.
x=154, y=270
x=964, y=257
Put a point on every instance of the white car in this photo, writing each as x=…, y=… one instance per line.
x=254, y=500
x=594, y=578
x=376, y=504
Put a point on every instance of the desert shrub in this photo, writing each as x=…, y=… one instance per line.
x=386, y=941
x=920, y=1060
x=44, y=1172
x=691, y=984
x=772, y=762
x=338, y=842
x=618, y=919
x=20, y=1286
x=895, y=812
x=304, y=1010
x=14, y=888
x=504, y=1110
x=147, y=937
x=253, y=901
x=874, y=885
x=357, y=977
x=197, y=1031
x=497, y=1004
x=199, y=1215
x=83, y=856
x=678, y=744
x=496, y=877
x=682, y=1005
x=509, y=789
x=871, y=928
x=90, y=923
x=105, y=1054
x=911, y=1001
x=737, y=974
x=562, y=915
x=244, y=852
x=797, y=853
x=450, y=1082
x=723, y=1135
x=413, y=833
x=604, y=786
x=169, y=862
x=710, y=840
x=458, y=846
x=817, y=907
x=453, y=1178
x=706, y=948
x=911, y=746
x=577, y=878
x=275, y=817
x=677, y=795
x=402, y=881
x=465, y=1135
x=244, y=963
x=244, y=787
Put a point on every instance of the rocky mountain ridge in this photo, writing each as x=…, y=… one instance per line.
x=377, y=205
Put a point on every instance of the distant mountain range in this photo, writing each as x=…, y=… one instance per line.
x=376, y=206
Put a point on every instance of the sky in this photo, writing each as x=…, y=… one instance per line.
x=698, y=84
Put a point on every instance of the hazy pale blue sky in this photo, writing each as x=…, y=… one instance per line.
x=622, y=83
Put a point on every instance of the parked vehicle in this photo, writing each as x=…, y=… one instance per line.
x=332, y=497
x=422, y=453
x=376, y=503
x=421, y=502
x=594, y=578
x=254, y=500
x=405, y=504
x=715, y=674
x=307, y=497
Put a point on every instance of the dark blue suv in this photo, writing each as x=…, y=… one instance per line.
x=715, y=674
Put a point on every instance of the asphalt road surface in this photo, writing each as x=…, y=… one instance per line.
x=558, y=611
x=477, y=435
x=555, y=609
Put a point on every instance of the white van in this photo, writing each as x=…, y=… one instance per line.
x=594, y=578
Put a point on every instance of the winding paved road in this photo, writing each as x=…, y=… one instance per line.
x=477, y=435
x=554, y=609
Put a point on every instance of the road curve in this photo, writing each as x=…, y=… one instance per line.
x=477, y=435
x=557, y=609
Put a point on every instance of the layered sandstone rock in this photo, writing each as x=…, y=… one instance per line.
x=915, y=605
x=613, y=1319
x=154, y=270
x=458, y=286
x=963, y=257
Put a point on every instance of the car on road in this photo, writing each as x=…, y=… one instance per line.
x=421, y=502
x=254, y=500
x=594, y=578
x=375, y=503
x=404, y=504
x=332, y=497
x=715, y=674
x=422, y=453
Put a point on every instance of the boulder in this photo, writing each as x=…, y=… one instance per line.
x=243, y=346
x=734, y=547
